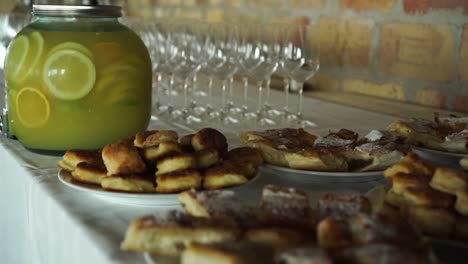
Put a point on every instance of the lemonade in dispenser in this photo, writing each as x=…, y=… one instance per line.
x=76, y=79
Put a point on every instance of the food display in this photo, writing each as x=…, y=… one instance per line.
x=76, y=83
x=159, y=162
x=434, y=199
x=341, y=151
x=283, y=227
x=445, y=133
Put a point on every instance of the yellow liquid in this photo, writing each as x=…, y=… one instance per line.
x=117, y=105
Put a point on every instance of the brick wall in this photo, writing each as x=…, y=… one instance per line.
x=408, y=50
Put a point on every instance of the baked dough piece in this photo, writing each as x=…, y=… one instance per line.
x=411, y=164
x=381, y=253
x=122, y=158
x=128, y=183
x=176, y=162
x=343, y=204
x=294, y=148
x=245, y=154
x=209, y=138
x=219, y=203
x=449, y=180
x=206, y=158
x=418, y=131
x=427, y=196
x=333, y=233
x=304, y=255
x=89, y=173
x=179, y=180
x=464, y=163
x=432, y=221
x=275, y=236
x=461, y=204
x=171, y=233
x=223, y=175
x=400, y=182
x=71, y=158
x=164, y=149
x=151, y=138
x=227, y=253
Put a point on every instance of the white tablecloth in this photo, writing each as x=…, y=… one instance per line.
x=44, y=221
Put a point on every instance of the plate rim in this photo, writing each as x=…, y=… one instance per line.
x=123, y=197
x=440, y=152
x=326, y=173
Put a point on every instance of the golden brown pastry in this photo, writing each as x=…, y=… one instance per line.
x=129, y=183
x=89, y=173
x=333, y=233
x=449, y=180
x=209, y=138
x=171, y=233
x=223, y=175
x=178, y=181
x=402, y=181
x=206, y=158
x=411, y=164
x=427, y=196
x=176, y=162
x=163, y=150
x=275, y=236
x=152, y=138
x=461, y=204
x=343, y=204
x=122, y=158
x=432, y=221
x=71, y=158
x=249, y=154
x=227, y=253
x=304, y=255
x=464, y=163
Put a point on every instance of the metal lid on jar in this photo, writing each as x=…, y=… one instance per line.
x=77, y=10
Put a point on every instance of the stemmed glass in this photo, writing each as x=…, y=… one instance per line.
x=302, y=62
x=186, y=56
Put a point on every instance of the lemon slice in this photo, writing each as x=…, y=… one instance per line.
x=32, y=107
x=73, y=46
x=69, y=74
x=108, y=52
x=34, y=54
x=117, y=82
x=17, y=53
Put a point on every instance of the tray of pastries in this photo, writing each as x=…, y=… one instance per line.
x=443, y=135
x=159, y=164
x=338, y=154
x=284, y=226
x=433, y=199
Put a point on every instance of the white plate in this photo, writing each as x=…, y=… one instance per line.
x=326, y=175
x=140, y=199
x=440, y=158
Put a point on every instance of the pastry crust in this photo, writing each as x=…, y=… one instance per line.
x=163, y=150
x=122, y=158
x=73, y=157
x=209, y=138
x=176, y=162
x=170, y=234
x=129, y=183
x=178, y=181
x=89, y=173
x=223, y=175
x=449, y=180
x=152, y=138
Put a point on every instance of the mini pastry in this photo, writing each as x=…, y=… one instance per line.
x=176, y=162
x=71, y=158
x=206, y=158
x=178, y=181
x=449, y=180
x=163, y=150
x=129, y=183
x=152, y=138
x=223, y=175
x=122, y=158
x=89, y=173
x=209, y=138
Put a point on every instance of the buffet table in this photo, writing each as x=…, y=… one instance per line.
x=44, y=221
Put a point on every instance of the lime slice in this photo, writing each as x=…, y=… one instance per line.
x=73, y=46
x=32, y=107
x=69, y=74
x=17, y=53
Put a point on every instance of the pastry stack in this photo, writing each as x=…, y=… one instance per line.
x=158, y=161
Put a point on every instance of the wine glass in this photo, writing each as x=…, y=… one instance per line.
x=305, y=54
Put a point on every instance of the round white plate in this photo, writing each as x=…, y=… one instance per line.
x=325, y=175
x=441, y=158
x=140, y=199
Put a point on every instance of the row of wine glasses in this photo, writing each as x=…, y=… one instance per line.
x=195, y=64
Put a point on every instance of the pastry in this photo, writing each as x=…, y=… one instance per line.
x=122, y=158
x=226, y=253
x=449, y=180
x=152, y=138
x=333, y=233
x=171, y=233
x=461, y=204
x=223, y=175
x=176, y=162
x=304, y=255
x=274, y=236
x=179, y=180
x=129, y=183
x=209, y=138
x=163, y=150
x=464, y=163
x=89, y=173
x=71, y=158
x=438, y=222
x=206, y=158
x=342, y=204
